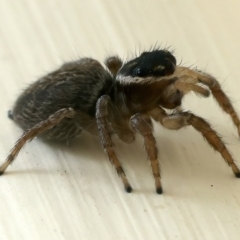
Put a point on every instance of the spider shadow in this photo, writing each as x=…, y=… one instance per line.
x=89, y=147
x=28, y=171
x=134, y=158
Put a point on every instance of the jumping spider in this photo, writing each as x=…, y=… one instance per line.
x=122, y=100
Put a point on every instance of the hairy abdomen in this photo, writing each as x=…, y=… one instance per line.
x=77, y=85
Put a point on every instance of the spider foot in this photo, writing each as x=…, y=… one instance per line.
x=10, y=115
x=159, y=190
x=239, y=132
x=237, y=175
x=128, y=189
x=3, y=168
x=235, y=170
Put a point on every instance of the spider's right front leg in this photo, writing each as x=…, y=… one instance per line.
x=106, y=141
x=178, y=120
x=216, y=90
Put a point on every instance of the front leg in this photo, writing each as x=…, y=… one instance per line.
x=179, y=120
x=215, y=87
x=143, y=125
x=106, y=140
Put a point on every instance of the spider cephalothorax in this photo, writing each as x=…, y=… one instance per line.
x=122, y=99
x=157, y=63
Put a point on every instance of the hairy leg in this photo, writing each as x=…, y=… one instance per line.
x=35, y=131
x=143, y=125
x=106, y=140
x=113, y=64
x=222, y=99
x=182, y=119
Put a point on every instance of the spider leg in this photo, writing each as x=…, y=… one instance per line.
x=182, y=119
x=186, y=87
x=33, y=132
x=113, y=63
x=222, y=99
x=106, y=140
x=143, y=125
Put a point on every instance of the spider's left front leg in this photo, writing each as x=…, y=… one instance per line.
x=142, y=123
x=106, y=140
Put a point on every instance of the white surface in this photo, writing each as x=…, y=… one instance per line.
x=72, y=192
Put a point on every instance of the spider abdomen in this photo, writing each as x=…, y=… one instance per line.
x=76, y=85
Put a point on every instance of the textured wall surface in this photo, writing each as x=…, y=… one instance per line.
x=59, y=191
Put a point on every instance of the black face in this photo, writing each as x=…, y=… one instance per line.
x=157, y=63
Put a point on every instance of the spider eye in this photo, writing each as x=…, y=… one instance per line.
x=159, y=68
x=137, y=72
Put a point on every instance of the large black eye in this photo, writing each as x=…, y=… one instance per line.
x=159, y=71
x=138, y=72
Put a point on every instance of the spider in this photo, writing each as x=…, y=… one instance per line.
x=121, y=99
